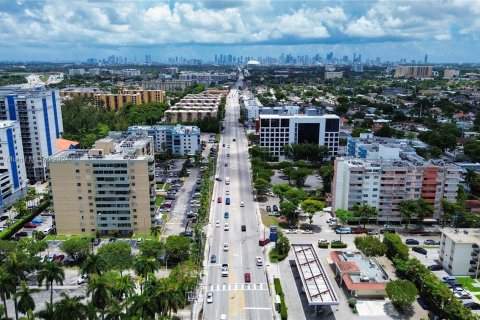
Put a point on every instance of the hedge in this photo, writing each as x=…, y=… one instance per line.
x=27, y=218
x=323, y=245
x=283, y=305
x=337, y=245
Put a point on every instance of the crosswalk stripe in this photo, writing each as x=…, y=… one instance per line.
x=238, y=287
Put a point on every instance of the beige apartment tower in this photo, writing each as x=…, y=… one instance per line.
x=107, y=190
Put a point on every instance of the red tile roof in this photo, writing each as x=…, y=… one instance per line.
x=344, y=266
x=363, y=285
x=472, y=204
x=64, y=144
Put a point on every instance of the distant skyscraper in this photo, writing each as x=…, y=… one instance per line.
x=425, y=60
x=330, y=56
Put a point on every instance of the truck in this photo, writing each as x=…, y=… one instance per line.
x=224, y=270
x=227, y=180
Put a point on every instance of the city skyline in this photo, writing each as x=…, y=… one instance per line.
x=57, y=30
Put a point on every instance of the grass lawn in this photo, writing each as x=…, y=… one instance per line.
x=267, y=220
x=64, y=237
x=166, y=186
x=468, y=282
x=159, y=200
x=164, y=216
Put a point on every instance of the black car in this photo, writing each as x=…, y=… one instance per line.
x=412, y=241
x=2, y=218
x=96, y=242
x=269, y=209
x=21, y=234
x=170, y=197
x=244, y=227
x=423, y=303
x=112, y=240
x=275, y=208
x=420, y=250
x=187, y=233
x=472, y=305
x=431, y=242
x=435, y=267
x=391, y=230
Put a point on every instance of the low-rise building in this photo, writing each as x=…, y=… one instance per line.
x=333, y=75
x=413, y=72
x=107, y=190
x=363, y=277
x=459, y=251
x=194, y=107
x=276, y=131
x=166, y=85
x=177, y=139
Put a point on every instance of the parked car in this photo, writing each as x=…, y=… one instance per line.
x=29, y=225
x=82, y=279
x=186, y=233
x=373, y=232
x=359, y=230
x=472, y=305
x=274, y=207
x=59, y=258
x=430, y=242
x=97, y=241
x=419, y=250
x=343, y=230
x=412, y=242
x=462, y=295
x=291, y=231
x=112, y=240
x=306, y=231
x=323, y=241
x=391, y=230
x=449, y=279
x=435, y=267
x=21, y=234
x=423, y=303
x=268, y=209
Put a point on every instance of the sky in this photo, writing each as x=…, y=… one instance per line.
x=445, y=30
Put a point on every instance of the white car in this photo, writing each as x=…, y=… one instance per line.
x=242, y=204
x=217, y=224
x=291, y=231
x=372, y=232
x=225, y=246
x=259, y=261
x=228, y=146
x=227, y=192
x=226, y=227
x=209, y=297
x=462, y=295
x=307, y=231
x=323, y=241
x=82, y=279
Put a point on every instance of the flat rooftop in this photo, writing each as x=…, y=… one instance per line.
x=469, y=236
x=180, y=129
x=315, y=281
x=273, y=116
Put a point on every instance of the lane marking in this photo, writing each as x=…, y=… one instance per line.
x=256, y=308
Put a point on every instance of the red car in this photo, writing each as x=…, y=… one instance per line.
x=219, y=200
x=247, y=277
x=359, y=230
x=59, y=258
x=29, y=225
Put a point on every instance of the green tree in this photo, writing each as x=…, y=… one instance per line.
x=69, y=308
x=48, y=313
x=295, y=196
x=408, y=209
x=396, y=249
x=344, y=216
x=402, y=293
x=449, y=210
x=261, y=185
x=117, y=255
x=282, y=245
x=326, y=172
x=25, y=299
x=100, y=290
x=288, y=210
x=311, y=207
x=280, y=190
x=7, y=287
x=472, y=150
x=176, y=248
x=370, y=246
x=425, y=209
x=156, y=231
x=142, y=306
x=93, y=264
x=49, y=273
x=151, y=248
x=143, y=266
x=300, y=176
x=76, y=246
x=364, y=212
x=17, y=265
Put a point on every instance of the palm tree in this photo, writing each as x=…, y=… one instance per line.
x=16, y=266
x=91, y=311
x=7, y=287
x=408, y=208
x=47, y=314
x=99, y=287
x=156, y=231
x=142, y=305
x=470, y=177
x=144, y=266
x=93, y=264
x=50, y=272
x=70, y=308
x=116, y=311
x=123, y=287
x=25, y=302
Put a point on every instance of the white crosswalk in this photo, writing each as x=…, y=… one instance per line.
x=237, y=287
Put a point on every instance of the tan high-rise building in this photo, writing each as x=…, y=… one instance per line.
x=413, y=72
x=109, y=188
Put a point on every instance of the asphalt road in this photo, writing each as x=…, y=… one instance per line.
x=231, y=295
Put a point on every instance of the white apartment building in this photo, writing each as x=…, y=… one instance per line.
x=13, y=177
x=107, y=190
x=255, y=110
x=40, y=116
x=333, y=75
x=76, y=72
x=459, y=251
x=276, y=131
x=178, y=139
x=383, y=184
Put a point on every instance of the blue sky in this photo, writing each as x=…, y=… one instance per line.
x=446, y=30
